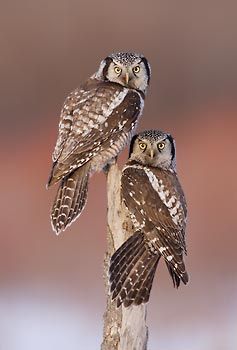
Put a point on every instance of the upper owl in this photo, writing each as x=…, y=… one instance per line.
x=128, y=69
x=97, y=121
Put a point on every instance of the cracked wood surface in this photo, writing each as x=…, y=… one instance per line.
x=124, y=328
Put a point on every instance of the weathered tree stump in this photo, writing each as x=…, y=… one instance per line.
x=124, y=328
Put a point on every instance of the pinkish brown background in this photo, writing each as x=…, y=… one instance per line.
x=51, y=288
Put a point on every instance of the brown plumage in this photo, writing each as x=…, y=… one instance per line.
x=132, y=271
x=97, y=121
x=155, y=201
x=70, y=199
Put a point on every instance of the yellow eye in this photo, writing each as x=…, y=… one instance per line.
x=117, y=70
x=142, y=145
x=136, y=69
x=161, y=145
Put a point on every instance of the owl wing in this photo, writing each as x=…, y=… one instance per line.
x=88, y=120
x=147, y=205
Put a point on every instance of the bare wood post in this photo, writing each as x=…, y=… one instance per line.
x=124, y=328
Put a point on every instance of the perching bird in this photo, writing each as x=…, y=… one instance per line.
x=97, y=121
x=153, y=196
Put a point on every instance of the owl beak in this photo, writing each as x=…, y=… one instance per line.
x=126, y=78
x=151, y=154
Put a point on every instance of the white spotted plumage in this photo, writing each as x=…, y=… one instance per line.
x=172, y=203
x=155, y=201
x=97, y=121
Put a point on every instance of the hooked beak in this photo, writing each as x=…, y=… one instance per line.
x=126, y=78
x=151, y=154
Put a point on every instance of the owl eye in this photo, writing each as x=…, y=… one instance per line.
x=136, y=69
x=142, y=145
x=117, y=70
x=161, y=145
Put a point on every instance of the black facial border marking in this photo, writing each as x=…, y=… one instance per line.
x=131, y=145
x=108, y=61
x=148, y=69
x=171, y=140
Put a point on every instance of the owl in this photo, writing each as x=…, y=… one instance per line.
x=154, y=199
x=97, y=121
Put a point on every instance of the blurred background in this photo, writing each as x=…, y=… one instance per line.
x=51, y=288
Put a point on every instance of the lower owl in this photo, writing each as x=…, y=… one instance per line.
x=152, y=194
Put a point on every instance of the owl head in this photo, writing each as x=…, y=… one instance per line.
x=131, y=70
x=153, y=148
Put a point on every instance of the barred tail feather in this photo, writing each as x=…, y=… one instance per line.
x=140, y=291
x=173, y=255
x=177, y=277
x=174, y=276
x=70, y=199
x=132, y=271
x=122, y=262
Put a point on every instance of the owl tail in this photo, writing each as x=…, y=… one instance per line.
x=174, y=276
x=70, y=199
x=132, y=269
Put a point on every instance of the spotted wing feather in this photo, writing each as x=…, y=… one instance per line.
x=70, y=199
x=90, y=121
x=132, y=270
x=164, y=236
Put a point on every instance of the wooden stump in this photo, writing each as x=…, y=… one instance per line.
x=124, y=328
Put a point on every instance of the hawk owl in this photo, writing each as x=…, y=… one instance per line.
x=97, y=121
x=153, y=196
